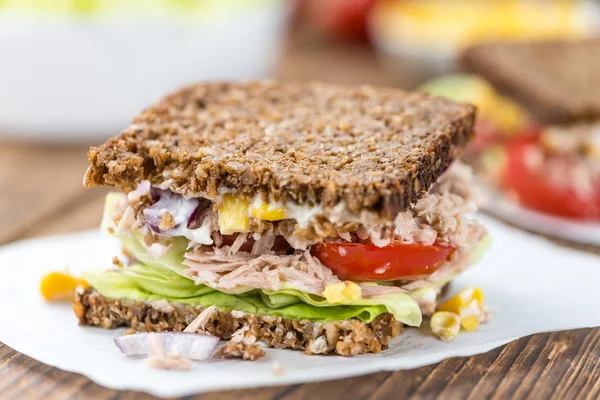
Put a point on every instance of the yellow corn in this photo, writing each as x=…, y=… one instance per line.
x=233, y=215
x=500, y=110
x=470, y=316
x=468, y=306
x=56, y=286
x=469, y=323
x=342, y=292
x=445, y=325
x=462, y=300
x=512, y=117
x=263, y=212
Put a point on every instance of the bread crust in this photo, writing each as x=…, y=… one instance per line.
x=374, y=149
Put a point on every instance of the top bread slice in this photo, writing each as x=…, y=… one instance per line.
x=374, y=149
x=557, y=81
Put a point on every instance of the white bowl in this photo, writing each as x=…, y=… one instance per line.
x=75, y=79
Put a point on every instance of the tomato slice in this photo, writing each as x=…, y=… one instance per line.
x=396, y=261
x=535, y=191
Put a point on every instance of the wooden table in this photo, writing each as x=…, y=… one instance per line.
x=41, y=193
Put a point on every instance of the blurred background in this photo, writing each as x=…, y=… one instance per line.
x=74, y=72
x=78, y=70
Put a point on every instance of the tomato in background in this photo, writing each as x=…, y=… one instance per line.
x=536, y=191
x=344, y=19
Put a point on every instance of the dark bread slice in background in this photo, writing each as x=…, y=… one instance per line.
x=375, y=149
x=557, y=81
x=346, y=338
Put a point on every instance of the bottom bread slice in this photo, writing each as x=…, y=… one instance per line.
x=346, y=338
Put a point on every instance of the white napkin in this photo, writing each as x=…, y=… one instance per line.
x=530, y=284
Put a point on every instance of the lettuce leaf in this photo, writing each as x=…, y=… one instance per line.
x=401, y=305
x=151, y=283
x=461, y=88
x=172, y=260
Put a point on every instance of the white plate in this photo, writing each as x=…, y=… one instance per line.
x=530, y=285
x=563, y=228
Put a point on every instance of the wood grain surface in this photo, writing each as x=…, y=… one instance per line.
x=41, y=194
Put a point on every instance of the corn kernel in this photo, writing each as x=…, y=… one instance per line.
x=445, y=325
x=462, y=300
x=57, y=286
x=470, y=316
x=263, y=212
x=342, y=292
x=469, y=323
x=508, y=115
x=233, y=215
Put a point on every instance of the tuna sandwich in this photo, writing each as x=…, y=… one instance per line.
x=314, y=217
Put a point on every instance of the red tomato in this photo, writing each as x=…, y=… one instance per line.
x=396, y=261
x=535, y=191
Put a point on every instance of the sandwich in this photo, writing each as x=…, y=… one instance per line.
x=538, y=129
x=308, y=216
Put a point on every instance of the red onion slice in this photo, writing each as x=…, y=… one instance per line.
x=190, y=345
x=175, y=204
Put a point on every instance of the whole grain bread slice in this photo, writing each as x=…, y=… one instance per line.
x=557, y=81
x=347, y=338
x=373, y=149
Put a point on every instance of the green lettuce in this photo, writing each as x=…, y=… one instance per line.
x=401, y=305
x=151, y=283
x=457, y=87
